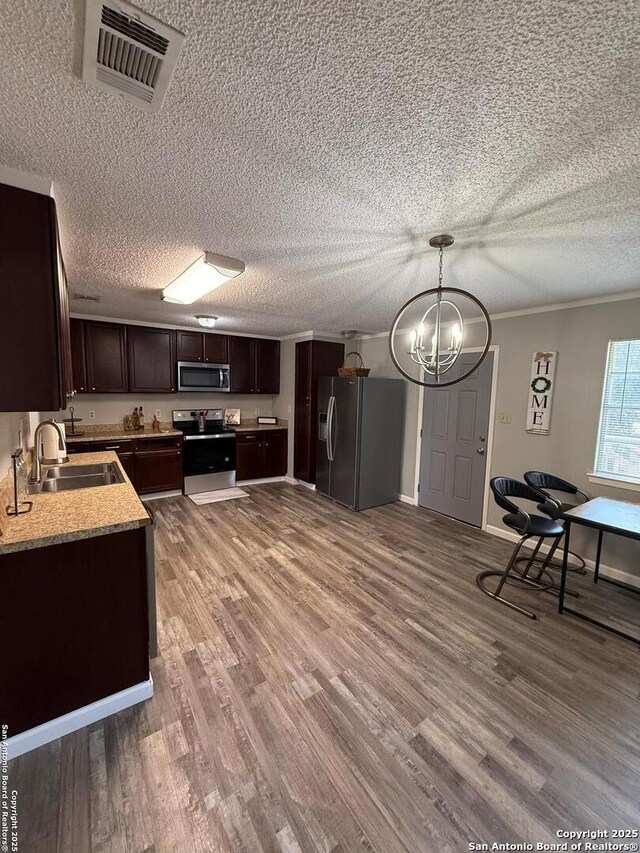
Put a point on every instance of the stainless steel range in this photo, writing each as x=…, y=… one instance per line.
x=209, y=450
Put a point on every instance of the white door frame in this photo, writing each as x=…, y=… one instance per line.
x=495, y=349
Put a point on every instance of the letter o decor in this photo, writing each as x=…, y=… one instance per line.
x=540, y=380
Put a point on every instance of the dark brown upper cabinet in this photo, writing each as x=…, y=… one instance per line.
x=242, y=365
x=267, y=366
x=216, y=349
x=190, y=346
x=35, y=348
x=313, y=360
x=152, y=360
x=106, y=357
x=78, y=364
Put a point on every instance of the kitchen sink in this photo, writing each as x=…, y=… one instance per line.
x=81, y=470
x=65, y=478
x=65, y=484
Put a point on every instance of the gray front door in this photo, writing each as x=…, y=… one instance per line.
x=455, y=425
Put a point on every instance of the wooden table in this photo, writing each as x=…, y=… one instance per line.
x=606, y=516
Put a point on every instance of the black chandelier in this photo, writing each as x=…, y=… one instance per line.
x=429, y=332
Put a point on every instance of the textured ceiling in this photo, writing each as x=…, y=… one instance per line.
x=324, y=141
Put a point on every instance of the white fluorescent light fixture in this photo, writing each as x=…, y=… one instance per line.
x=207, y=321
x=203, y=276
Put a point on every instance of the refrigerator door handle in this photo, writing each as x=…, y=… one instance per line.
x=332, y=401
x=333, y=441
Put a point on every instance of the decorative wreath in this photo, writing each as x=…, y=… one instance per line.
x=535, y=384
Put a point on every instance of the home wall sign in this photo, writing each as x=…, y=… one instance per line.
x=541, y=386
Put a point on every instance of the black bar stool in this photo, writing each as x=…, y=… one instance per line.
x=538, y=527
x=543, y=482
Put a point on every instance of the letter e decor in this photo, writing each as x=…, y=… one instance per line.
x=541, y=392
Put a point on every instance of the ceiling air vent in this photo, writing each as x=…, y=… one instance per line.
x=129, y=52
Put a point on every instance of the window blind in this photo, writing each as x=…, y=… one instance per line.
x=618, y=451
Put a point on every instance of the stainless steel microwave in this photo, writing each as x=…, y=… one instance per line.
x=203, y=377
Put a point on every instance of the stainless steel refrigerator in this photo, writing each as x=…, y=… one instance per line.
x=360, y=433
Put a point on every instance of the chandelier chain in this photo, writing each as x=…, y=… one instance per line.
x=440, y=268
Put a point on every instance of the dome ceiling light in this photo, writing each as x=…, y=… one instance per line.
x=430, y=332
x=207, y=321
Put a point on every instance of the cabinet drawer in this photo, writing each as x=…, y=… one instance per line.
x=151, y=444
x=118, y=445
x=248, y=437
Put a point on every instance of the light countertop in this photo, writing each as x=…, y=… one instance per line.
x=116, y=432
x=252, y=426
x=78, y=514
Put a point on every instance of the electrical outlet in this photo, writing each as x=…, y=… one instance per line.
x=505, y=417
x=157, y=414
x=288, y=410
x=257, y=411
x=92, y=415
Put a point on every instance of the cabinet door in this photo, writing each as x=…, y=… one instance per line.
x=127, y=460
x=216, y=349
x=275, y=454
x=106, y=357
x=152, y=360
x=78, y=364
x=158, y=470
x=190, y=346
x=303, y=370
x=63, y=320
x=302, y=441
x=266, y=356
x=249, y=458
x=31, y=335
x=241, y=365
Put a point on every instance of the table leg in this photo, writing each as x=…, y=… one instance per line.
x=596, y=570
x=565, y=563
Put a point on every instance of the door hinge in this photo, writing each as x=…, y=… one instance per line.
x=418, y=486
x=420, y=433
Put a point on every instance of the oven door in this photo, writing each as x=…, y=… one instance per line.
x=203, y=377
x=209, y=462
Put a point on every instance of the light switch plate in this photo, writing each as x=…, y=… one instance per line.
x=505, y=417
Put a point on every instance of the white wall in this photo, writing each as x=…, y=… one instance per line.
x=111, y=408
x=283, y=404
x=580, y=335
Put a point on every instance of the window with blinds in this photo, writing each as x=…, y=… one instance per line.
x=618, y=451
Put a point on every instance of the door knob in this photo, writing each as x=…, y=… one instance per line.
x=480, y=450
x=483, y=438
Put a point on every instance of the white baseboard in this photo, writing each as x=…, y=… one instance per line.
x=607, y=571
x=260, y=481
x=154, y=496
x=294, y=482
x=78, y=719
x=407, y=499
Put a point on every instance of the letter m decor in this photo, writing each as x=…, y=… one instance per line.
x=541, y=386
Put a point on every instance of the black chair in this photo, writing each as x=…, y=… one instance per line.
x=529, y=526
x=546, y=483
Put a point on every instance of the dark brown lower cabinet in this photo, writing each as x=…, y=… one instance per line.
x=77, y=629
x=152, y=464
x=158, y=470
x=127, y=460
x=261, y=454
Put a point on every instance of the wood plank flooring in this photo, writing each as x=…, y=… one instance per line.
x=334, y=681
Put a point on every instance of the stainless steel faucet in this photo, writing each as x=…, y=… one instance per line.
x=36, y=466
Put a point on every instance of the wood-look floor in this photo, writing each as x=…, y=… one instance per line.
x=333, y=681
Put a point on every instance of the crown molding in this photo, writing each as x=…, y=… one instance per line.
x=542, y=309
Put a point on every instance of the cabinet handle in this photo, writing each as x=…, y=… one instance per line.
x=113, y=447
x=93, y=389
